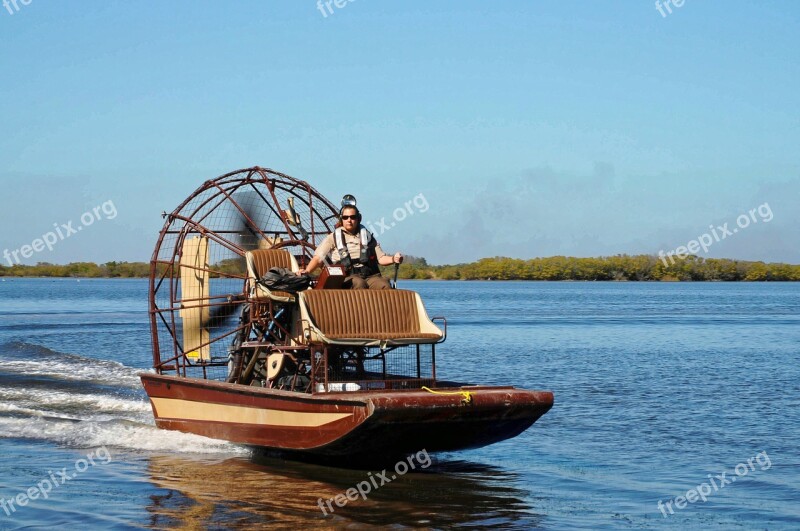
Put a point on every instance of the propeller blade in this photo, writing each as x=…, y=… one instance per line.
x=247, y=219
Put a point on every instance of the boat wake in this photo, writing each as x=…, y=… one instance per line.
x=81, y=402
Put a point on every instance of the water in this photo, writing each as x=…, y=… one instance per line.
x=657, y=387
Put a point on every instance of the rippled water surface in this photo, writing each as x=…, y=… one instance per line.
x=660, y=389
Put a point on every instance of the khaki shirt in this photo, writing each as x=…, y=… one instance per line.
x=353, y=241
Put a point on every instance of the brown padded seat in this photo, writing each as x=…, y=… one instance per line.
x=265, y=259
x=366, y=314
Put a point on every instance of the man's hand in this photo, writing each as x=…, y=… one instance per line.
x=312, y=265
x=397, y=258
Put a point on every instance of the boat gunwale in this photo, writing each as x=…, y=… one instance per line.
x=349, y=398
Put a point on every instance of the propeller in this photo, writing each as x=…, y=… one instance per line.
x=247, y=218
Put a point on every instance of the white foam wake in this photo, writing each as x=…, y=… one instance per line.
x=118, y=434
x=41, y=408
x=96, y=371
x=69, y=405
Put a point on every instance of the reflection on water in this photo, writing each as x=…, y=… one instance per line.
x=265, y=491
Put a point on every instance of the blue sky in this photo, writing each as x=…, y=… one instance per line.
x=530, y=128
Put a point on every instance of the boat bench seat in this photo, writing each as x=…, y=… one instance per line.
x=367, y=317
x=260, y=261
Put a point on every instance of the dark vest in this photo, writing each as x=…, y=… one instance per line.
x=367, y=263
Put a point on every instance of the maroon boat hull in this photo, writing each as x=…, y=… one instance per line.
x=349, y=425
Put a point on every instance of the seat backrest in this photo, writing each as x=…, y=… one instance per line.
x=259, y=261
x=369, y=314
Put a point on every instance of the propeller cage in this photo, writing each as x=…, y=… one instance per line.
x=198, y=273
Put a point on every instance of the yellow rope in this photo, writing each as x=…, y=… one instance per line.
x=466, y=394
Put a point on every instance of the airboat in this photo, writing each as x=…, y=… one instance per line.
x=324, y=373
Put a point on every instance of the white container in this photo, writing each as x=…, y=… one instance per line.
x=338, y=387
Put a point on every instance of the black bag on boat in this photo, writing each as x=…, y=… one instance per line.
x=282, y=279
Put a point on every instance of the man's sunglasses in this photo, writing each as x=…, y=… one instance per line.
x=349, y=217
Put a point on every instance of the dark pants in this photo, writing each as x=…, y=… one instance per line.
x=373, y=282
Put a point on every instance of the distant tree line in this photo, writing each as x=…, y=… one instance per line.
x=620, y=267
x=79, y=269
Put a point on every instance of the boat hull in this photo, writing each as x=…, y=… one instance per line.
x=346, y=426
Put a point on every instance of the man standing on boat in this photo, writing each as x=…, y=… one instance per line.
x=355, y=248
